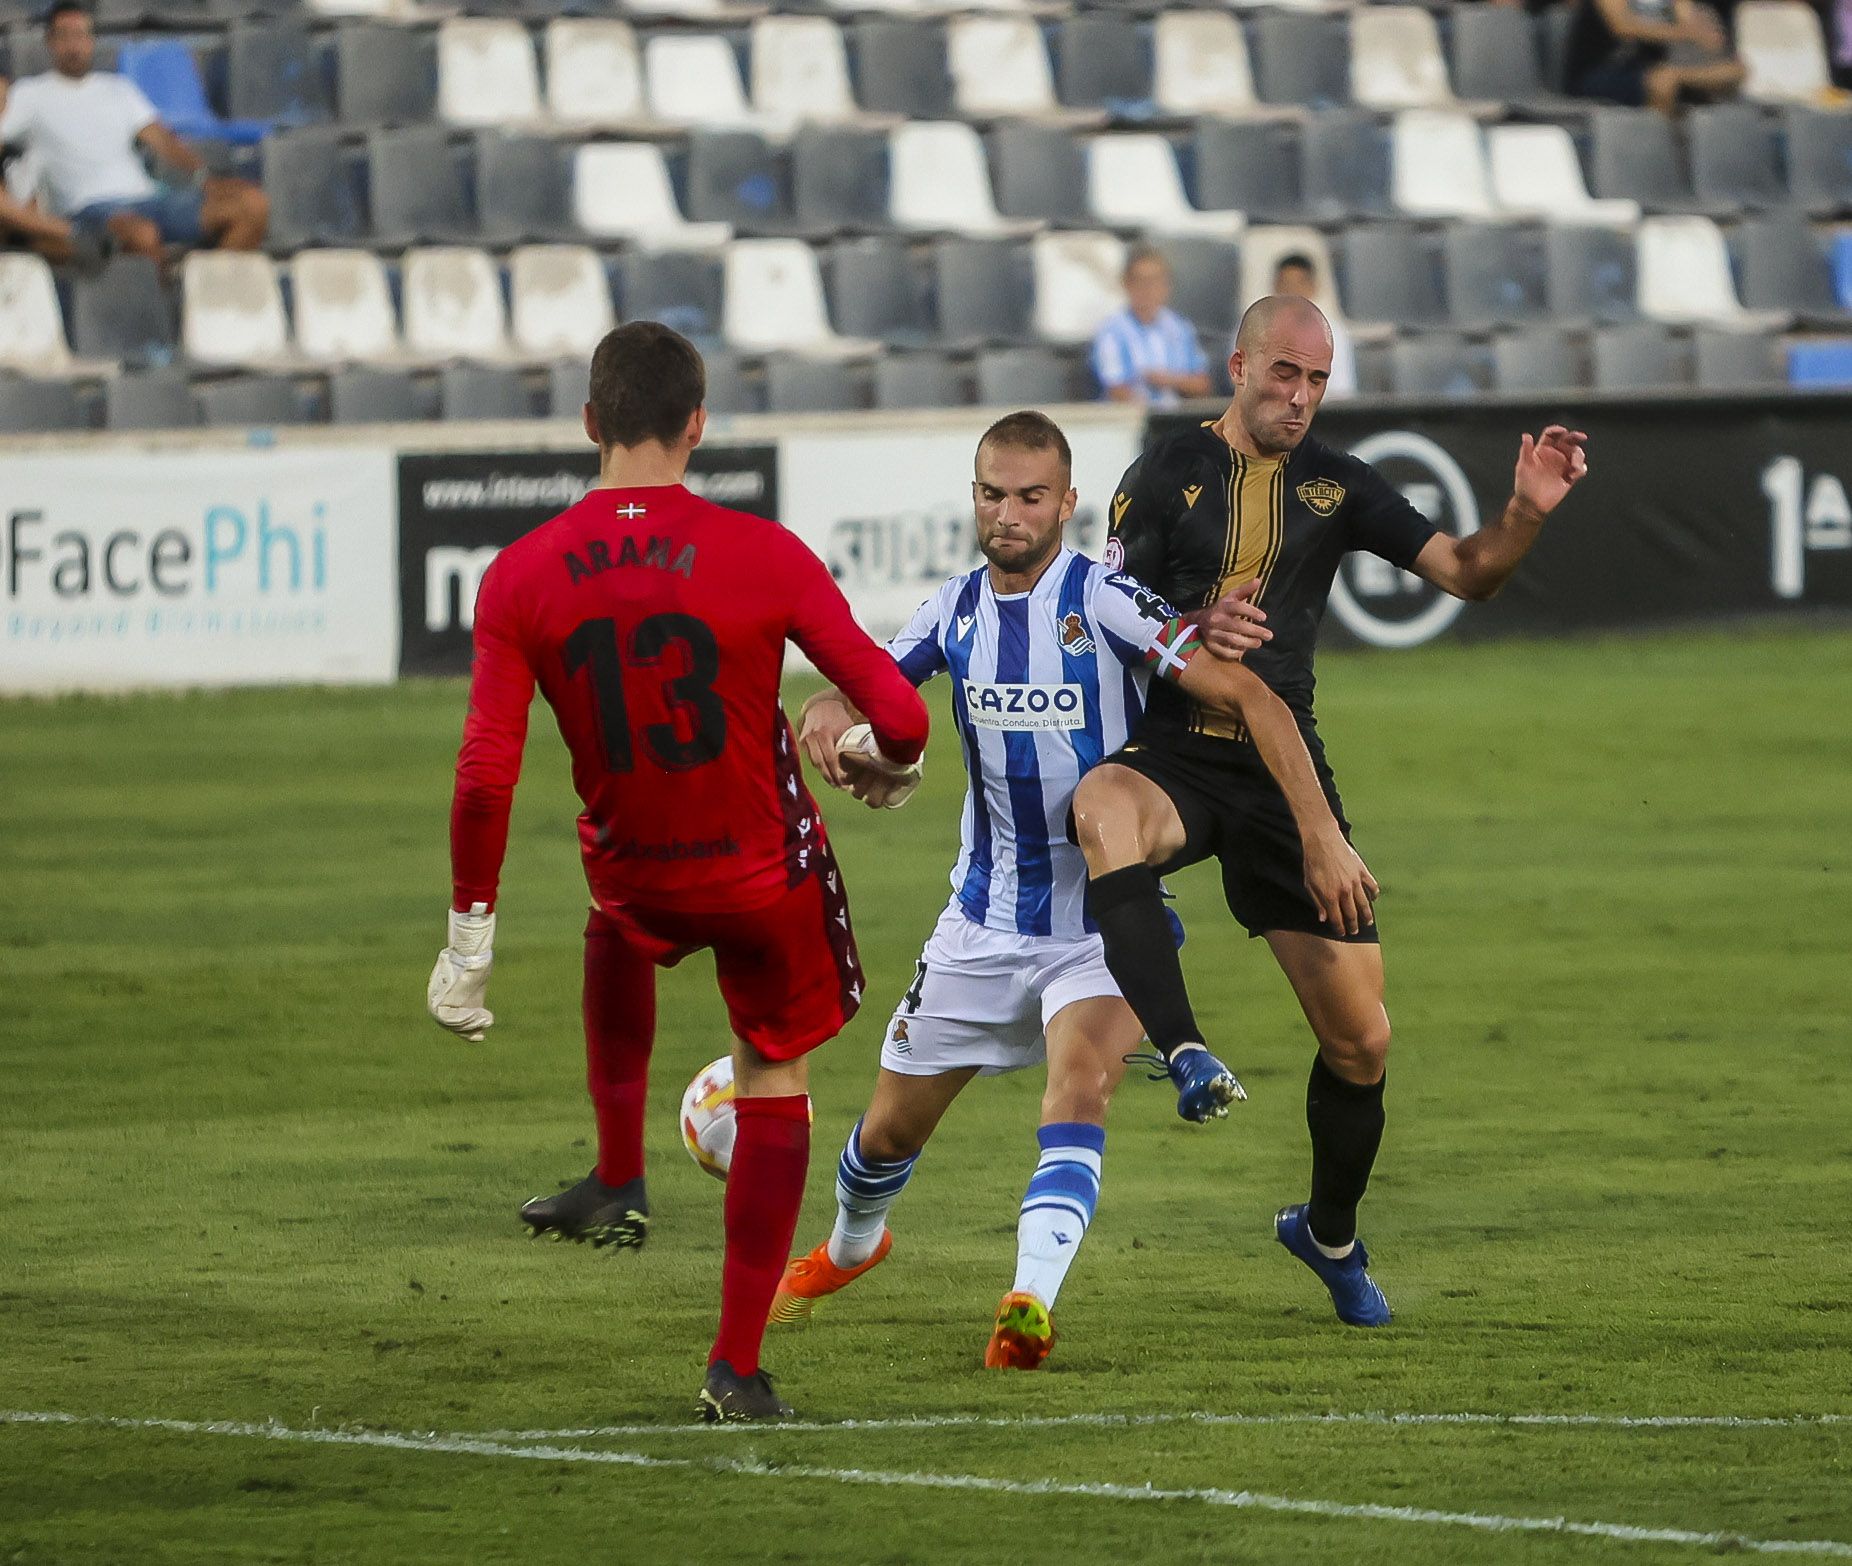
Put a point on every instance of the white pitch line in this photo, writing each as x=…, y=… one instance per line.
x=1245, y=1500
x=1131, y=1421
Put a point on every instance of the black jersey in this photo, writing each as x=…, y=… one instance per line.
x=1193, y=518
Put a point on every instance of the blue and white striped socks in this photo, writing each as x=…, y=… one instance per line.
x=1058, y=1206
x=865, y=1189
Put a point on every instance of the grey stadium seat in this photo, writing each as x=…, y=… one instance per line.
x=484, y=391
x=32, y=407
x=875, y=291
x=1302, y=58
x=1820, y=160
x=1438, y=366
x=1734, y=158
x=738, y=177
x=1640, y=357
x=1733, y=361
x=314, y=195
x=1591, y=274
x=1635, y=154
x=919, y=380
x=523, y=189
x=730, y=387
x=568, y=388
x=1040, y=172
x=984, y=291
x=1495, y=275
x=417, y=188
x=150, y=400
x=122, y=312
x=369, y=396
x=384, y=75
x=682, y=291
x=1541, y=359
x=252, y=399
x=901, y=68
x=1205, y=283
x=272, y=72
x=798, y=385
x=1252, y=166
x=839, y=178
x=1344, y=167
x=1784, y=267
x=1496, y=60
x=1103, y=61
x=1023, y=378
x=1390, y=276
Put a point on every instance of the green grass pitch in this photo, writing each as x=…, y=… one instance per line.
x=247, y=1180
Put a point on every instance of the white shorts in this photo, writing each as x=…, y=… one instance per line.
x=983, y=997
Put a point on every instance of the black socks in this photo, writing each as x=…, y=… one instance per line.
x=1346, y=1122
x=1141, y=954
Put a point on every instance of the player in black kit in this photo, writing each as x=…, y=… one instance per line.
x=1249, y=507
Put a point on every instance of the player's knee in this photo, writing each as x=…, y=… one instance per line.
x=1358, y=1054
x=888, y=1142
x=1081, y=1093
x=1103, y=804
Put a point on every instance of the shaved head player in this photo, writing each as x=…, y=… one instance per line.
x=654, y=625
x=1251, y=496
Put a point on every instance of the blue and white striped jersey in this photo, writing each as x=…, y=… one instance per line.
x=1045, y=684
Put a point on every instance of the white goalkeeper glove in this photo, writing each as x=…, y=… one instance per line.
x=875, y=780
x=455, y=993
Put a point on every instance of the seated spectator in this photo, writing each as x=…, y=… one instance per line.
x=1147, y=352
x=22, y=222
x=1297, y=274
x=1620, y=52
x=86, y=127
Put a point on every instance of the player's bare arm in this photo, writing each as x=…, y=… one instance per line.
x=1476, y=567
x=1339, y=883
x=1234, y=625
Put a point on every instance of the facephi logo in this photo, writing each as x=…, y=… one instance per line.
x=1372, y=599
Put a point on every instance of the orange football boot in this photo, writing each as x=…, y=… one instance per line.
x=809, y=1278
x=1024, y=1333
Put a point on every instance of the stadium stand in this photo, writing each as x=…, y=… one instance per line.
x=460, y=203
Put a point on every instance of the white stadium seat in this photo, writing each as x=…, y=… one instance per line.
x=594, y=72
x=31, y=325
x=1000, y=68
x=486, y=73
x=1783, y=46
x=1078, y=283
x=800, y=71
x=453, y=304
x=621, y=190
x=939, y=181
x=1684, y=273
x=1132, y=182
x=1202, y=65
x=1536, y=173
x=1396, y=60
x=343, y=307
x=1438, y=165
x=562, y=300
x=774, y=301
x=694, y=79
x=1262, y=248
x=232, y=309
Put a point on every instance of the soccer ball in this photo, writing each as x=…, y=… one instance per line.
x=707, y=1117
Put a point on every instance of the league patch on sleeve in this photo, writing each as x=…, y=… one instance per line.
x=1113, y=555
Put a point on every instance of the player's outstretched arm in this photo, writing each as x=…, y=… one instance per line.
x=1339, y=883
x=1476, y=567
x=1234, y=625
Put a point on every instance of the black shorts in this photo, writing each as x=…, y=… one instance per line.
x=1234, y=812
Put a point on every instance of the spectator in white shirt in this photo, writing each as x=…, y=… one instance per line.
x=1296, y=274
x=22, y=219
x=1147, y=352
x=88, y=127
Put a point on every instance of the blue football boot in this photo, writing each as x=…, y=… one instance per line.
x=1205, y=1087
x=1353, y=1291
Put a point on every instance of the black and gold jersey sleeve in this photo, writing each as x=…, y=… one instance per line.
x=1140, y=523
x=1380, y=519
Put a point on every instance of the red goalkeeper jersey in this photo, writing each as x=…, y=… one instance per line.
x=654, y=624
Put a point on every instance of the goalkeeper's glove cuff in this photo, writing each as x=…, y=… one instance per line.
x=472, y=937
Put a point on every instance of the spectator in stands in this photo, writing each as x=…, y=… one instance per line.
x=1147, y=352
x=1298, y=274
x=22, y=223
x=87, y=127
x=1620, y=51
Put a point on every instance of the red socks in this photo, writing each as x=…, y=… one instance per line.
x=620, y=1026
x=765, y=1188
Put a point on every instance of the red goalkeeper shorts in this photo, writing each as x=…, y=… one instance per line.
x=788, y=970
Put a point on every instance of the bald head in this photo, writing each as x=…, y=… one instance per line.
x=1279, y=314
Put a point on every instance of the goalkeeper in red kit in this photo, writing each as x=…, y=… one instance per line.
x=654, y=625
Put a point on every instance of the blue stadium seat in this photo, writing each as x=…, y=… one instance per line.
x=1821, y=363
x=166, y=71
x=1842, y=270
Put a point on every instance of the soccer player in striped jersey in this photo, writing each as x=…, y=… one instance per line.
x=1049, y=655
